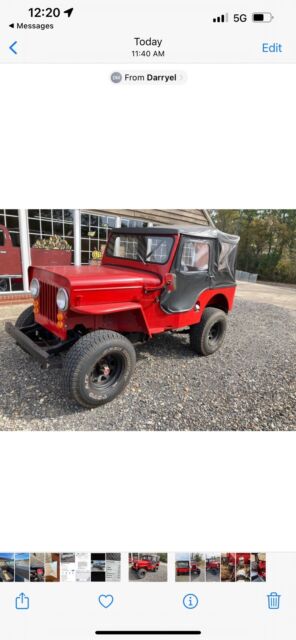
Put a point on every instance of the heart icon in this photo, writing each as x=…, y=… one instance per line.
x=105, y=600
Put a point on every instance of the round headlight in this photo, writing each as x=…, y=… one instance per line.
x=62, y=300
x=35, y=287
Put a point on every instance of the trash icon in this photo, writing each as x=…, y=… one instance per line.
x=273, y=600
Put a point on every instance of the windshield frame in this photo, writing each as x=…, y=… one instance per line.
x=160, y=238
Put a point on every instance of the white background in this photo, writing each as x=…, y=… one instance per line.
x=165, y=491
x=70, y=138
x=226, y=139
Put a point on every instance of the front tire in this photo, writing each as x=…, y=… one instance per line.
x=25, y=318
x=98, y=367
x=141, y=573
x=208, y=335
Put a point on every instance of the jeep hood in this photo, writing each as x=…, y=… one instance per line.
x=93, y=277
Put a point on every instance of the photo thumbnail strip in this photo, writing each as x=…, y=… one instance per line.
x=220, y=567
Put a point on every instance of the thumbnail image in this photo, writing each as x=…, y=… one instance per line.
x=190, y=567
x=243, y=561
x=22, y=567
x=148, y=567
x=83, y=567
x=37, y=567
x=68, y=567
x=213, y=564
x=6, y=567
x=113, y=567
x=258, y=567
x=52, y=567
x=227, y=567
x=98, y=567
x=105, y=567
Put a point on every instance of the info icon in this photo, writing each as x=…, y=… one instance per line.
x=190, y=601
x=116, y=77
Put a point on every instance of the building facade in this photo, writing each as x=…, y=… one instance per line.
x=65, y=236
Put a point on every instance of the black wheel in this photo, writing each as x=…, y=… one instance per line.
x=141, y=574
x=25, y=318
x=207, y=336
x=98, y=367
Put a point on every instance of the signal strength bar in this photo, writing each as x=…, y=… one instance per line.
x=222, y=18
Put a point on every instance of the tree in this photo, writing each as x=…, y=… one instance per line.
x=267, y=240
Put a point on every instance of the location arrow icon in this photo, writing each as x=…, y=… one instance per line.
x=69, y=12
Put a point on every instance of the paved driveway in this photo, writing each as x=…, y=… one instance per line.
x=280, y=295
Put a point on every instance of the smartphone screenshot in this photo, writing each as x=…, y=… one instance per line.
x=147, y=319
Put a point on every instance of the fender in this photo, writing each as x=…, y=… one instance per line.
x=109, y=309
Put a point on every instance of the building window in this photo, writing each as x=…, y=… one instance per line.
x=10, y=252
x=131, y=222
x=46, y=223
x=94, y=234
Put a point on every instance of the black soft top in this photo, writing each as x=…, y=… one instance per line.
x=198, y=230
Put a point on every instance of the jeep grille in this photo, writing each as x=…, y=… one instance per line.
x=47, y=299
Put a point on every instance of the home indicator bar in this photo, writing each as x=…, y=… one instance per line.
x=148, y=633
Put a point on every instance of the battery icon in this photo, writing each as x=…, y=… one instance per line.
x=265, y=16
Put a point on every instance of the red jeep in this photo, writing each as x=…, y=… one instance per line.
x=184, y=568
x=150, y=281
x=144, y=564
x=213, y=566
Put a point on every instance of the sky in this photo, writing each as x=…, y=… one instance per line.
x=7, y=556
x=182, y=556
x=21, y=556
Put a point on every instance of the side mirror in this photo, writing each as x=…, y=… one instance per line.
x=170, y=281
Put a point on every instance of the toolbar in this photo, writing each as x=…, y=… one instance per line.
x=147, y=32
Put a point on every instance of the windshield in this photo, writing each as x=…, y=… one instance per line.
x=140, y=247
x=183, y=564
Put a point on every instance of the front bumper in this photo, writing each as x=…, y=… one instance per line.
x=25, y=341
x=39, y=343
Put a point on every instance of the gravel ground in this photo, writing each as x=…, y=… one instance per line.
x=212, y=577
x=192, y=578
x=151, y=576
x=250, y=384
